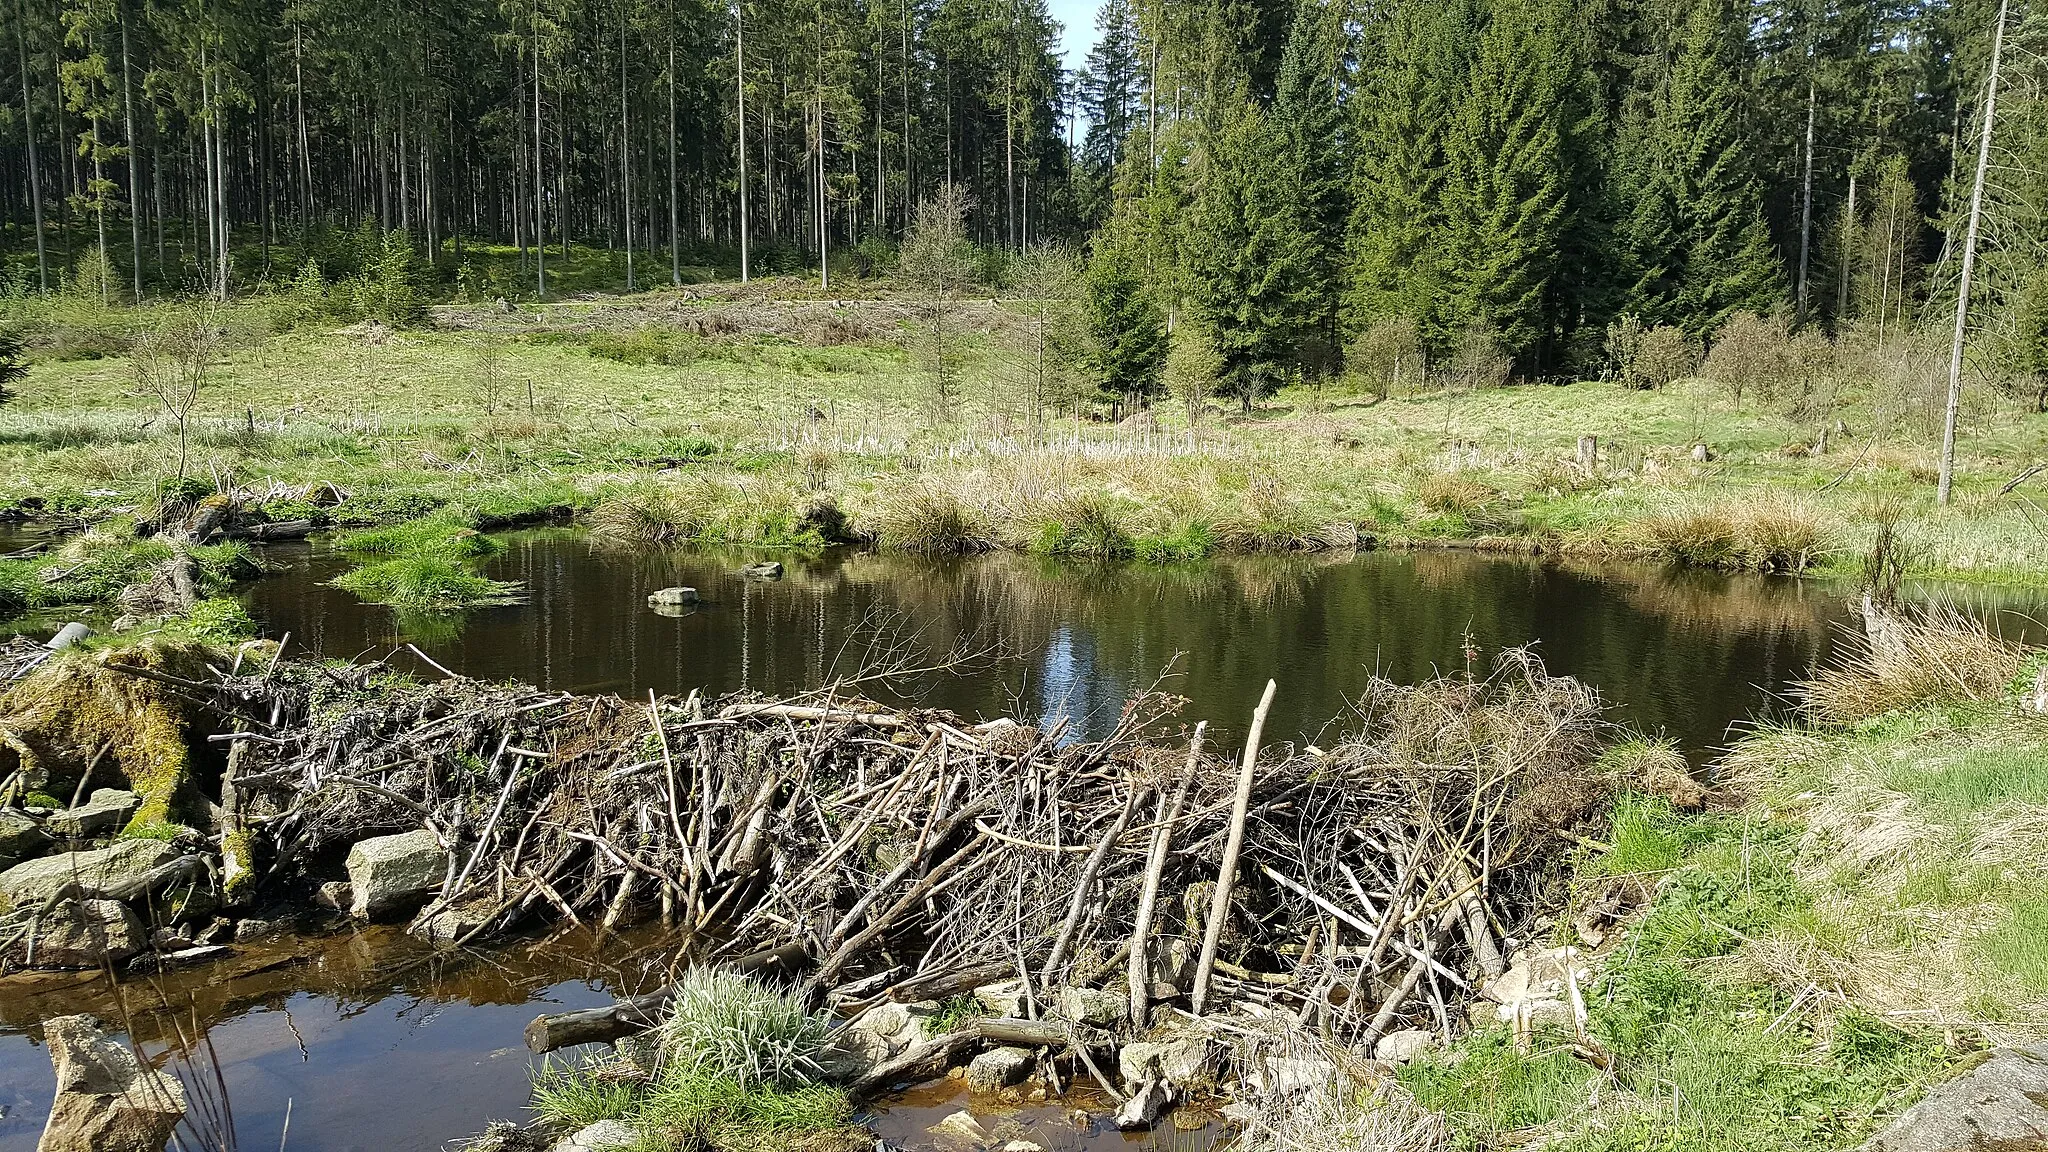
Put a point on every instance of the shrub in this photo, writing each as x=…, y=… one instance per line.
x=1666, y=353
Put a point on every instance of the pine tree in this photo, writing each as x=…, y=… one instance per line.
x=1505, y=204
x=1695, y=227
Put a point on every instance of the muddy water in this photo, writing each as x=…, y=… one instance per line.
x=365, y=1046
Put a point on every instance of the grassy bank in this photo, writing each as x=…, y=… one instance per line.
x=1863, y=911
x=766, y=414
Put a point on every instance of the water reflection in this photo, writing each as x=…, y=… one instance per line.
x=369, y=1040
x=1685, y=653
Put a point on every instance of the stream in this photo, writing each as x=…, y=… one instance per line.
x=372, y=1041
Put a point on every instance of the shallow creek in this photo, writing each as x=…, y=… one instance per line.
x=372, y=1041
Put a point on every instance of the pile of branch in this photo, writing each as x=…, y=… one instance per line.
x=913, y=856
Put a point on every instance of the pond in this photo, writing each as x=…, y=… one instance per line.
x=1683, y=654
x=369, y=1041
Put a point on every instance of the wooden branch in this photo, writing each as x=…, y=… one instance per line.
x=1226, y=876
x=1138, y=948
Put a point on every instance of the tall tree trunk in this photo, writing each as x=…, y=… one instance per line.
x=740, y=87
x=675, y=243
x=1847, y=245
x=625, y=150
x=134, y=152
x=540, y=235
x=35, y=183
x=305, y=149
x=1805, y=206
x=1955, y=355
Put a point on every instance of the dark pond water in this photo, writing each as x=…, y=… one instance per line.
x=1679, y=653
x=369, y=1047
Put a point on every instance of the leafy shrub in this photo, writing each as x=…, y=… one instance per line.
x=220, y=620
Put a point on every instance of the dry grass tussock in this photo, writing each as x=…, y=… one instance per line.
x=1348, y=1107
x=928, y=516
x=1764, y=533
x=1938, y=656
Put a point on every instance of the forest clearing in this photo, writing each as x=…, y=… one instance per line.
x=1296, y=576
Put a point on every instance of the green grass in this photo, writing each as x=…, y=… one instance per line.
x=739, y=1074
x=1706, y=1056
x=1976, y=779
x=2014, y=949
x=572, y=1097
x=425, y=584
x=499, y=418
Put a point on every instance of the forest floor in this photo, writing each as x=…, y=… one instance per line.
x=728, y=413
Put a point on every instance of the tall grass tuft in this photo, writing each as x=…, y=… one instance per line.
x=1766, y=535
x=727, y=1026
x=573, y=1097
x=1936, y=657
x=930, y=518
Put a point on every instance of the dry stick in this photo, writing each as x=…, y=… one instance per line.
x=668, y=759
x=1087, y=882
x=1148, y=897
x=848, y=950
x=1421, y=964
x=1226, y=876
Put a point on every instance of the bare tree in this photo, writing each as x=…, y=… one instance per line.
x=1955, y=354
x=171, y=365
x=938, y=261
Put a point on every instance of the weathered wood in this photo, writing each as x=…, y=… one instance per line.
x=1226, y=876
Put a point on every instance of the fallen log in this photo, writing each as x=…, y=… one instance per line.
x=590, y=1025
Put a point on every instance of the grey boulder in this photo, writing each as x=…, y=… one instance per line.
x=388, y=874
x=81, y=934
x=96, y=870
x=2000, y=1104
x=106, y=811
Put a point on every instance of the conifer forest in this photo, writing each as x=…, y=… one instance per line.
x=1289, y=176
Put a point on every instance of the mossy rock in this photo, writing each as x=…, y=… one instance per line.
x=55, y=721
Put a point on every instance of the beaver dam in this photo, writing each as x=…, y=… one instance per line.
x=1148, y=916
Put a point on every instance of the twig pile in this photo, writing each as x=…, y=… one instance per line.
x=915, y=856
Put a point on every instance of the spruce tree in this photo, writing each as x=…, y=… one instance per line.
x=1242, y=250
x=1308, y=124
x=1506, y=204
x=1408, y=93
x=1126, y=331
x=1695, y=225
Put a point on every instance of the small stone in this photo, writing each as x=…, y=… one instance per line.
x=252, y=929
x=960, y=1131
x=599, y=1137
x=452, y=924
x=997, y=1069
x=106, y=811
x=1023, y=1146
x=1182, y=1061
x=1145, y=1106
x=1004, y=999
x=20, y=837
x=766, y=570
x=107, y=1100
x=95, y=870
x=672, y=597
x=389, y=874
x=1090, y=1006
x=82, y=934
x=1287, y=1075
x=334, y=894
x=1405, y=1046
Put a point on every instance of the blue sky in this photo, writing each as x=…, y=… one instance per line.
x=1079, y=18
